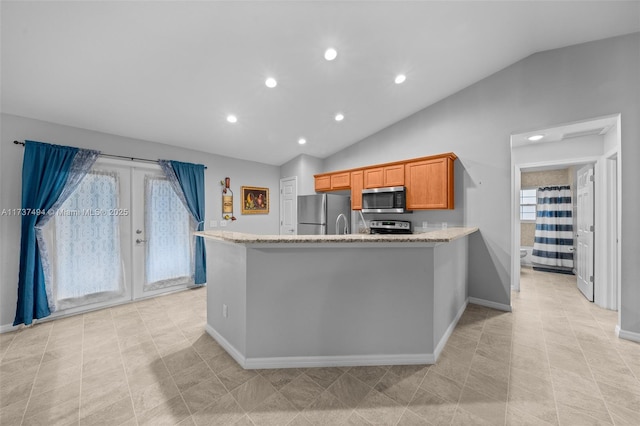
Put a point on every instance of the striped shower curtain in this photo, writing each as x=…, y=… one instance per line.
x=553, y=244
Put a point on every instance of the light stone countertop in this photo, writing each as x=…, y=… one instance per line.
x=435, y=236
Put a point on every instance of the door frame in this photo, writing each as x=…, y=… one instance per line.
x=295, y=211
x=606, y=274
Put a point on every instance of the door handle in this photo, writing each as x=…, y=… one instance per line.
x=138, y=241
x=138, y=231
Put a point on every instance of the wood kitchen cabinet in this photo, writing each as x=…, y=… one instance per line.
x=378, y=177
x=430, y=183
x=323, y=183
x=356, y=189
x=333, y=181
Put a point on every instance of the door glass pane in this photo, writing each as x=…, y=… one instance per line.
x=86, y=243
x=169, y=246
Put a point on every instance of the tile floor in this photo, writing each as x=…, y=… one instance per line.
x=554, y=360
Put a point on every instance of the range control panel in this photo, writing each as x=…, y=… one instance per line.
x=390, y=227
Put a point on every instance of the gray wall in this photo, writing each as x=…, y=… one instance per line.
x=18, y=128
x=304, y=167
x=545, y=89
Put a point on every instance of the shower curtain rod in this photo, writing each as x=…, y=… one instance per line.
x=114, y=156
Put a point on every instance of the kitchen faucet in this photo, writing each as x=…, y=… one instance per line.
x=346, y=224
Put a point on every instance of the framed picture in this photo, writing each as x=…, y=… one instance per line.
x=255, y=200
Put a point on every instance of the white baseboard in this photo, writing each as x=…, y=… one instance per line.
x=7, y=328
x=318, y=361
x=490, y=304
x=231, y=350
x=627, y=335
x=445, y=337
x=338, y=361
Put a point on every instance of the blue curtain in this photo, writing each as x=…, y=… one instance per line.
x=45, y=171
x=190, y=179
x=553, y=244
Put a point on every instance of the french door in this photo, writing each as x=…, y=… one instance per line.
x=122, y=235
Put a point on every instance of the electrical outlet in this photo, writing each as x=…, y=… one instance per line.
x=223, y=223
x=213, y=224
x=225, y=310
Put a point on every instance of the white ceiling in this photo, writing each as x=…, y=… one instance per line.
x=170, y=72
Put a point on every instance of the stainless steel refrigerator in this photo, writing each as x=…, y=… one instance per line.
x=317, y=214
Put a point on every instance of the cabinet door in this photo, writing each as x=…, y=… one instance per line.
x=356, y=190
x=429, y=184
x=341, y=180
x=323, y=183
x=374, y=177
x=394, y=175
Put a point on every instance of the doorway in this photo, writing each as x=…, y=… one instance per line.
x=591, y=141
x=289, y=206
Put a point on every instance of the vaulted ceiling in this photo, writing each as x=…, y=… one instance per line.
x=172, y=72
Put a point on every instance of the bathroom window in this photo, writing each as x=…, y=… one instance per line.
x=528, y=204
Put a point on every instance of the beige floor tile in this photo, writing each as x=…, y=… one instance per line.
x=482, y=406
x=171, y=412
x=453, y=366
x=224, y=411
x=533, y=403
x=349, y=390
x=444, y=387
x=300, y=420
x=154, y=395
x=178, y=361
x=327, y=410
x=378, y=409
x=15, y=388
x=621, y=397
x=432, y=408
x=49, y=378
x=587, y=403
x=203, y=394
x=409, y=418
x=491, y=385
x=48, y=401
x=302, y=391
x=275, y=410
x=280, y=377
x=622, y=415
x=463, y=417
x=324, y=376
x=569, y=416
x=518, y=418
x=60, y=414
x=192, y=375
x=207, y=347
x=399, y=389
x=221, y=362
x=114, y=413
x=234, y=376
x=12, y=414
x=253, y=392
x=101, y=391
x=370, y=375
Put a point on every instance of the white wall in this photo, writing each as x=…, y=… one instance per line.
x=19, y=128
x=304, y=167
x=545, y=89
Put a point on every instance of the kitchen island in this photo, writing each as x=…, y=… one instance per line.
x=279, y=301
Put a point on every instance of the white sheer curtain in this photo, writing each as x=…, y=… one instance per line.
x=169, y=229
x=85, y=243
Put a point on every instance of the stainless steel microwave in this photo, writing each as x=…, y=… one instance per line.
x=391, y=199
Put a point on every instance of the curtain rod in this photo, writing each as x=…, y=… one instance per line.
x=114, y=156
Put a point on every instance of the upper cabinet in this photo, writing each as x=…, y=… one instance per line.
x=333, y=181
x=356, y=189
x=429, y=181
x=378, y=177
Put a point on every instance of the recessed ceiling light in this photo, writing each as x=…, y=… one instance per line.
x=232, y=118
x=302, y=141
x=535, y=138
x=271, y=82
x=400, y=78
x=339, y=117
x=330, y=54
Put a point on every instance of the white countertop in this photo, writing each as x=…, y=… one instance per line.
x=436, y=236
